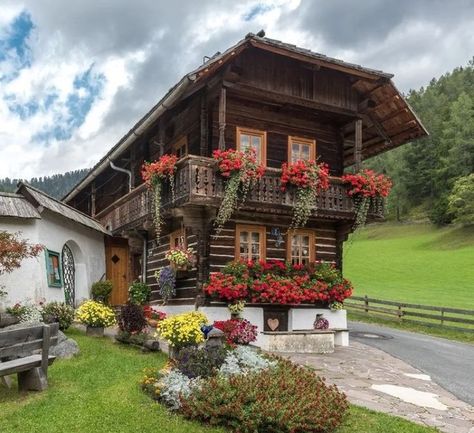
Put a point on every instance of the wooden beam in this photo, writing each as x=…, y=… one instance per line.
x=222, y=111
x=358, y=145
x=366, y=105
x=309, y=59
x=161, y=137
x=254, y=93
x=93, y=195
x=204, y=124
x=378, y=127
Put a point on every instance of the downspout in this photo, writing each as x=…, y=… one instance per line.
x=122, y=170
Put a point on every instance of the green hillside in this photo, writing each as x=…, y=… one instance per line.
x=416, y=263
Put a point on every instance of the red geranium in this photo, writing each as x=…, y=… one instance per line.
x=237, y=331
x=226, y=287
x=305, y=174
x=367, y=184
x=160, y=169
x=232, y=161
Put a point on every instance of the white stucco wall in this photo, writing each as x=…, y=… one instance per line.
x=29, y=282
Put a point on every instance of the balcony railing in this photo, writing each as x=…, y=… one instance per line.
x=198, y=183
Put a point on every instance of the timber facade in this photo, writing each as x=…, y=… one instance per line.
x=286, y=102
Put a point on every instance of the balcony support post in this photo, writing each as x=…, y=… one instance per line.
x=358, y=145
x=222, y=111
x=204, y=125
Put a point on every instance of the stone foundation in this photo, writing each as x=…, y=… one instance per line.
x=301, y=341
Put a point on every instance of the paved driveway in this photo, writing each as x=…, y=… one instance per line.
x=449, y=363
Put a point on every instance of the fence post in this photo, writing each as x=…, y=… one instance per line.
x=442, y=316
x=400, y=312
x=366, y=302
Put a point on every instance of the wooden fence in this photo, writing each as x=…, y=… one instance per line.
x=427, y=315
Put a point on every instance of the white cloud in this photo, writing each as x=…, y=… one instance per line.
x=139, y=50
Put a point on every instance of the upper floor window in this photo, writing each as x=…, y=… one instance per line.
x=301, y=247
x=255, y=139
x=178, y=239
x=249, y=242
x=180, y=147
x=301, y=149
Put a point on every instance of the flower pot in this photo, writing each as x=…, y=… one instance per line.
x=235, y=315
x=95, y=331
x=176, y=267
x=152, y=322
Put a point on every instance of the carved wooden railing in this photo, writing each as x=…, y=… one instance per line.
x=198, y=183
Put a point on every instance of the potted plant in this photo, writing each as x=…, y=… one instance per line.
x=241, y=171
x=96, y=316
x=308, y=178
x=366, y=188
x=182, y=330
x=180, y=259
x=139, y=293
x=153, y=317
x=236, y=308
x=101, y=290
x=154, y=174
x=166, y=279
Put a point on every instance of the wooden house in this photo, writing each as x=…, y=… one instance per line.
x=289, y=103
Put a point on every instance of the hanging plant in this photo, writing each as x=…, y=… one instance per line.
x=181, y=258
x=367, y=188
x=308, y=178
x=154, y=174
x=166, y=279
x=241, y=170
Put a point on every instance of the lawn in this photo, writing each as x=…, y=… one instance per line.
x=415, y=263
x=98, y=392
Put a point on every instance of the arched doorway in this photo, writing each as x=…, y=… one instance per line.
x=69, y=275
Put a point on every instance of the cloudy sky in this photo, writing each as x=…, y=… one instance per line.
x=75, y=76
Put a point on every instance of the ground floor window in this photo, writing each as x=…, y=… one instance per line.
x=178, y=239
x=301, y=247
x=249, y=242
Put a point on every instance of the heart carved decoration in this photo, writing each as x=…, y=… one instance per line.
x=273, y=324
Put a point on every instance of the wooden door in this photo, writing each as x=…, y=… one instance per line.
x=117, y=269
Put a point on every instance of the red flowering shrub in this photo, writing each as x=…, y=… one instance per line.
x=13, y=250
x=368, y=184
x=237, y=331
x=151, y=313
x=309, y=178
x=284, y=399
x=279, y=282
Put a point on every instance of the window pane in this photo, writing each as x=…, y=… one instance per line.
x=305, y=151
x=256, y=237
x=244, y=141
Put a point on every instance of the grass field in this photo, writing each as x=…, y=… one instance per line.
x=98, y=392
x=415, y=263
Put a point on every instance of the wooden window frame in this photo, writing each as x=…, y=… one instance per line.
x=49, y=254
x=312, y=243
x=261, y=230
x=308, y=141
x=255, y=132
x=179, y=233
x=180, y=142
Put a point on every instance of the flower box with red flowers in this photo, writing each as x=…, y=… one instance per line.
x=367, y=183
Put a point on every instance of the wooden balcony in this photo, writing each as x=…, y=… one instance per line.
x=198, y=184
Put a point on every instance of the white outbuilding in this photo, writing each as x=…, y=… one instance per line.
x=73, y=256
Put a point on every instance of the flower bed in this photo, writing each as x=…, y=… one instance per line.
x=279, y=282
x=247, y=392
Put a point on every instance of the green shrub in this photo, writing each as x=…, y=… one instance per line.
x=139, y=293
x=58, y=312
x=195, y=362
x=101, y=291
x=131, y=319
x=284, y=399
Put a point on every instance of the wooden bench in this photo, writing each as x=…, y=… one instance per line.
x=17, y=347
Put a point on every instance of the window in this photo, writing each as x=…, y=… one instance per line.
x=252, y=138
x=301, y=149
x=301, y=247
x=53, y=270
x=180, y=147
x=178, y=238
x=249, y=242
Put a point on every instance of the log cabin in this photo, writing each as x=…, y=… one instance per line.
x=290, y=103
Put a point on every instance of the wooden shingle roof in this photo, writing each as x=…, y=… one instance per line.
x=15, y=205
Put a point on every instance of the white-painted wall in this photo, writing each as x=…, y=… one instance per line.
x=298, y=319
x=29, y=282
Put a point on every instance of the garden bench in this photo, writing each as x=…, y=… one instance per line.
x=19, y=347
